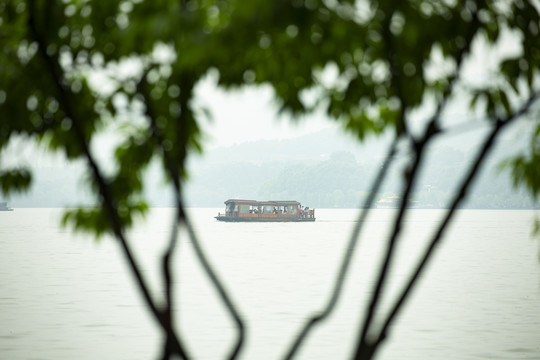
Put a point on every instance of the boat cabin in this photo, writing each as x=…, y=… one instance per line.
x=253, y=210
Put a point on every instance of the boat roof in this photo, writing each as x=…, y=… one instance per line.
x=259, y=203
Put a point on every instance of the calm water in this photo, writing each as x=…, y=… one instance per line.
x=69, y=297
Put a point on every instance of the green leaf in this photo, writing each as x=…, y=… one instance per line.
x=17, y=180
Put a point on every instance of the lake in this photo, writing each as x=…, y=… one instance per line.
x=65, y=296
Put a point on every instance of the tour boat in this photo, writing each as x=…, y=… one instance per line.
x=237, y=210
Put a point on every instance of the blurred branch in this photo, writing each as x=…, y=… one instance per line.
x=366, y=348
x=353, y=241
x=104, y=191
x=169, y=252
x=183, y=217
x=460, y=196
x=168, y=281
x=396, y=79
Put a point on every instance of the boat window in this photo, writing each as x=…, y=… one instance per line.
x=291, y=209
x=244, y=209
x=267, y=209
x=253, y=209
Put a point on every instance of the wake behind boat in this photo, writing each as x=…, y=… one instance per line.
x=237, y=210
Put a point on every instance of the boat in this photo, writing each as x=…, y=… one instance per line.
x=394, y=202
x=4, y=207
x=238, y=210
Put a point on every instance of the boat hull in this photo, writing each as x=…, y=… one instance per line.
x=261, y=219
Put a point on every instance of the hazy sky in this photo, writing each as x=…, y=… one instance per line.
x=250, y=114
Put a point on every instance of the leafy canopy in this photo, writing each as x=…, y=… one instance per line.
x=72, y=69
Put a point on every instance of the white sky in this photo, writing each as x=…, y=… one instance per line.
x=238, y=116
x=250, y=114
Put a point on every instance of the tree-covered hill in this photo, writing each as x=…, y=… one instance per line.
x=341, y=178
x=323, y=170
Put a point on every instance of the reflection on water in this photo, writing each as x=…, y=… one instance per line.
x=66, y=297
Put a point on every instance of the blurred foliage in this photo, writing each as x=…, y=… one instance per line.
x=15, y=180
x=526, y=167
x=69, y=69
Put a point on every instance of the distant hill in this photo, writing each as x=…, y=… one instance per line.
x=311, y=147
x=329, y=169
x=323, y=169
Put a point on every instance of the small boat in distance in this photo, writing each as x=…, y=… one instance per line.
x=237, y=210
x=4, y=207
x=394, y=202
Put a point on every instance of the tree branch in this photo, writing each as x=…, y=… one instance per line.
x=104, y=190
x=183, y=217
x=353, y=241
x=169, y=349
x=474, y=170
x=365, y=349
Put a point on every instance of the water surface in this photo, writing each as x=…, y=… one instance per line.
x=65, y=296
